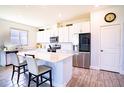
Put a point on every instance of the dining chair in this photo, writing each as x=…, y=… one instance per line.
x=18, y=65
x=37, y=71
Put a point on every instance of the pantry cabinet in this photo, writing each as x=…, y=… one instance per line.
x=2, y=58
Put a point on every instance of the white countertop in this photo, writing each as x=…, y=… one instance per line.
x=47, y=56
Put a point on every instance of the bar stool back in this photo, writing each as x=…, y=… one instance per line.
x=37, y=71
x=17, y=66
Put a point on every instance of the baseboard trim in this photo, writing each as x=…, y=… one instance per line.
x=97, y=68
x=94, y=67
x=122, y=72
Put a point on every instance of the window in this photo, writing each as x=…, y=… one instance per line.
x=19, y=37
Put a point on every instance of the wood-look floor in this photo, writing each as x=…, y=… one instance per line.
x=95, y=78
x=81, y=78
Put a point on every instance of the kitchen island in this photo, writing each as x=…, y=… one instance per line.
x=61, y=64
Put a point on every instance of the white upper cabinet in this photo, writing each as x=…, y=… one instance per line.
x=63, y=34
x=43, y=36
x=47, y=35
x=77, y=28
x=54, y=32
x=71, y=33
x=39, y=37
x=66, y=34
x=85, y=28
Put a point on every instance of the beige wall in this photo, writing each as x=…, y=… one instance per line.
x=5, y=26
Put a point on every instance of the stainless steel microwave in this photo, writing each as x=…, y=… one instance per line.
x=54, y=39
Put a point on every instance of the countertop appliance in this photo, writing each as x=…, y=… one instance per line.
x=75, y=48
x=53, y=48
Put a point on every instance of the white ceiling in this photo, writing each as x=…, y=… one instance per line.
x=39, y=15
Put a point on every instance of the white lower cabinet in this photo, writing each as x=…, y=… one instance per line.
x=2, y=58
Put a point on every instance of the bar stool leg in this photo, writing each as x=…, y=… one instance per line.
x=13, y=72
x=24, y=69
x=18, y=74
x=41, y=78
x=37, y=81
x=50, y=74
x=29, y=79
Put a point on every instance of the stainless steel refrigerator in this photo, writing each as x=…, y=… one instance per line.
x=82, y=58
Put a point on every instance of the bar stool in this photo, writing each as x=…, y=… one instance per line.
x=37, y=71
x=18, y=65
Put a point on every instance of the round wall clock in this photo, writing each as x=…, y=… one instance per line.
x=110, y=17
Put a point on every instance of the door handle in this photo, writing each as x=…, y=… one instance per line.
x=101, y=50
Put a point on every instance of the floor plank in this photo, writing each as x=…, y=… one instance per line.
x=95, y=78
x=81, y=78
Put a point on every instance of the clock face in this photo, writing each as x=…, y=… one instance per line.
x=110, y=17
